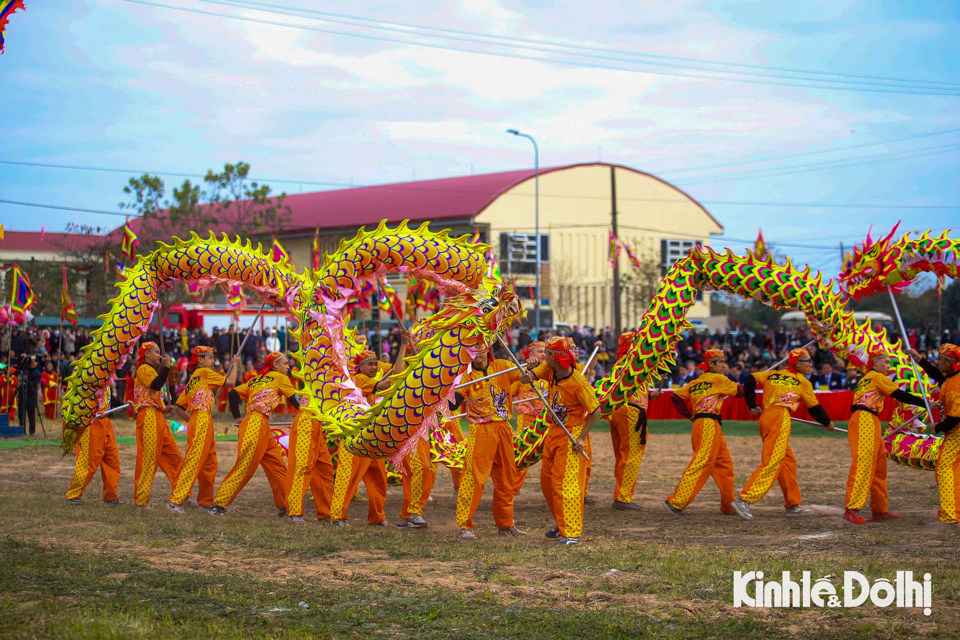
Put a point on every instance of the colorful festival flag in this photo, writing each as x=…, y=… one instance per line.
x=760, y=247
x=389, y=298
x=475, y=238
x=130, y=242
x=23, y=295
x=316, y=250
x=634, y=260
x=120, y=273
x=236, y=299
x=279, y=253
x=7, y=9
x=1, y=232
x=67, y=311
x=613, y=252
x=414, y=294
x=42, y=232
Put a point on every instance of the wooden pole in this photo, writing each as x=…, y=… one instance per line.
x=56, y=411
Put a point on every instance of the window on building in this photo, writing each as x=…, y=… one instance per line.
x=518, y=252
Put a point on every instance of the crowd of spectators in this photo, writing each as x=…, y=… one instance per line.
x=30, y=351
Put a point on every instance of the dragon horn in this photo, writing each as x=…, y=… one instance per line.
x=892, y=231
x=869, y=238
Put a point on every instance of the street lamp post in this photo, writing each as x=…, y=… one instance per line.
x=536, y=219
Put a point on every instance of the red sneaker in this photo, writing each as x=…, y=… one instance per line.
x=852, y=516
x=886, y=515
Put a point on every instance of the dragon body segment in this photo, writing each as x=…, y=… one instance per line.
x=781, y=286
x=479, y=309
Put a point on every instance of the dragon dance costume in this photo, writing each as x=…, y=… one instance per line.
x=783, y=391
x=97, y=449
x=257, y=445
x=563, y=472
x=155, y=444
x=308, y=465
x=948, y=462
x=351, y=468
x=868, y=470
x=527, y=406
x=628, y=433
x=711, y=457
x=489, y=450
x=200, y=458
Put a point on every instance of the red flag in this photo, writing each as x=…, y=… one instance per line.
x=67, y=311
x=316, y=250
x=130, y=242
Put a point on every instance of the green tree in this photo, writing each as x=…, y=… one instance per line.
x=244, y=208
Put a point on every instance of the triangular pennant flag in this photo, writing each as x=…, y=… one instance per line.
x=67, y=311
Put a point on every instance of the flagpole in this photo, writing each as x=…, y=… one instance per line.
x=380, y=319
x=56, y=411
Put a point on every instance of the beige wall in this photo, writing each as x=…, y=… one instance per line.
x=575, y=210
x=575, y=206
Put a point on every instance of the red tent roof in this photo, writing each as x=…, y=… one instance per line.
x=444, y=199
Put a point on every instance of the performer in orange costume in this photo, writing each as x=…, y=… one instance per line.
x=8, y=392
x=97, y=448
x=526, y=403
x=710, y=454
x=258, y=447
x=48, y=382
x=370, y=377
x=250, y=373
x=783, y=391
x=628, y=432
x=868, y=471
x=563, y=471
x=195, y=405
x=308, y=464
x=155, y=443
x=944, y=373
x=490, y=451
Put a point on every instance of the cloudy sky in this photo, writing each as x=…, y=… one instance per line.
x=810, y=120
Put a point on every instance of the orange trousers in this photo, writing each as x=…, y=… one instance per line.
x=777, y=461
x=308, y=465
x=418, y=477
x=97, y=448
x=563, y=480
x=948, y=467
x=199, y=461
x=627, y=452
x=710, y=458
x=257, y=447
x=351, y=469
x=868, y=471
x=489, y=453
x=155, y=448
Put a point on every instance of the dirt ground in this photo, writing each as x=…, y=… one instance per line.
x=433, y=559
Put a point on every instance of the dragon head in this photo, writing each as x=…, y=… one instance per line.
x=872, y=266
x=487, y=312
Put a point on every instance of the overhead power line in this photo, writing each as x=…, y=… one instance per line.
x=352, y=20
x=411, y=187
x=606, y=62
x=829, y=164
x=674, y=172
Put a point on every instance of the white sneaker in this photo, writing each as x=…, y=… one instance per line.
x=176, y=508
x=742, y=507
x=466, y=534
x=797, y=510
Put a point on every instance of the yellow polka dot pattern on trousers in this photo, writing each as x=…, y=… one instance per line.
x=302, y=427
x=864, y=458
x=341, y=482
x=83, y=466
x=687, y=486
x=947, y=477
x=764, y=480
x=467, y=482
x=147, y=456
